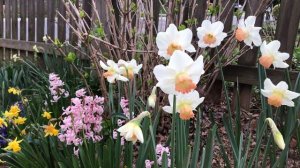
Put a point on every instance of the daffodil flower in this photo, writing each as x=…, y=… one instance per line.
x=130, y=68
x=278, y=94
x=112, y=71
x=270, y=55
x=47, y=115
x=210, y=34
x=276, y=134
x=172, y=40
x=247, y=32
x=14, y=146
x=152, y=98
x=3, y=122
x=181, y=75
x=185, y=104
x=50, y=130
x=132, y=131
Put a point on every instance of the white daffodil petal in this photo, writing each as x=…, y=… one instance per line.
x=180, y=60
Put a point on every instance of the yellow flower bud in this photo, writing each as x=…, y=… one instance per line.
x=152, y=98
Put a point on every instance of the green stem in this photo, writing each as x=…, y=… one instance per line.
x=173, y=133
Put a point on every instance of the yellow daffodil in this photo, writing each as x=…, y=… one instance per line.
x=210, y=34
x=276, y=133
x=14, y=91
x=2, y=122
x=23, y=132
x=271, y=55
x=19, y=120
x=181, y=75
x=247, y=32
x=172, y=40
x=185, y=104
x=278, y=94
x=50, y=130
x=14, y=146
x=129, y=68
x=47, y=115
x=13, y=112
x=132, y=131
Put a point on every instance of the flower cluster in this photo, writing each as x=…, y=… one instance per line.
x=124, y=105
x=160, y=150
x=181, y=76
x=82, y=119
x=123, y=70
x=14, y=91
x=13, y=115
x=56, y=87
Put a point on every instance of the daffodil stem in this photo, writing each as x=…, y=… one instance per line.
x=173, y=153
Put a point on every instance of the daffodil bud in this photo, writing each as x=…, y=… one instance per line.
x=152, y=98
x=35, y=49
x=278, y=138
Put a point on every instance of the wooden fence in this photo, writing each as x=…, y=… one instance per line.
x=26, y=22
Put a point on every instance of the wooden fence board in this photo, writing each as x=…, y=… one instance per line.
x=31, y=20
x=61, y=22
x=51, y=9
x=23, y=16
x=236, y=73
x=40, y=19
x=7, y=52
x=14, y=22
x=287, y=27
x=1, y=28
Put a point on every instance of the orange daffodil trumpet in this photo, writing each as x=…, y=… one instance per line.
x=113, y=71
x=278, y=138
x=270, y=55
x=210, y=34
x=181, y=75
x=129, y=68
x=172, y=40
x=247, y=32
x=132, y=131
x=185, y=104
x=278, y=94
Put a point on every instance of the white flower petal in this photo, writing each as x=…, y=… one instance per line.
x=274, y=45
x=168, y=109
x=291, y=95
x=139, y=134
x=250, y=21
x=288, y=102
x=162, y=72
x=268, y=85
x=282, y=85
x=179, y=60
x=102, y=64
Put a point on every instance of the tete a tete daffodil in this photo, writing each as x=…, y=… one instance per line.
x=173, y=40
x=14, y=146
x=247, y=32
x=278, y=94
x=129, y=68
x=185, y=104
x=270, y=54
x=181, y=75
x=113, y=72
x=132, y=131
x=210, y=34
x=278, y=138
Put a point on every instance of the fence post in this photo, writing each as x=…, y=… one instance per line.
x=226, y=17
x=250, y=57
